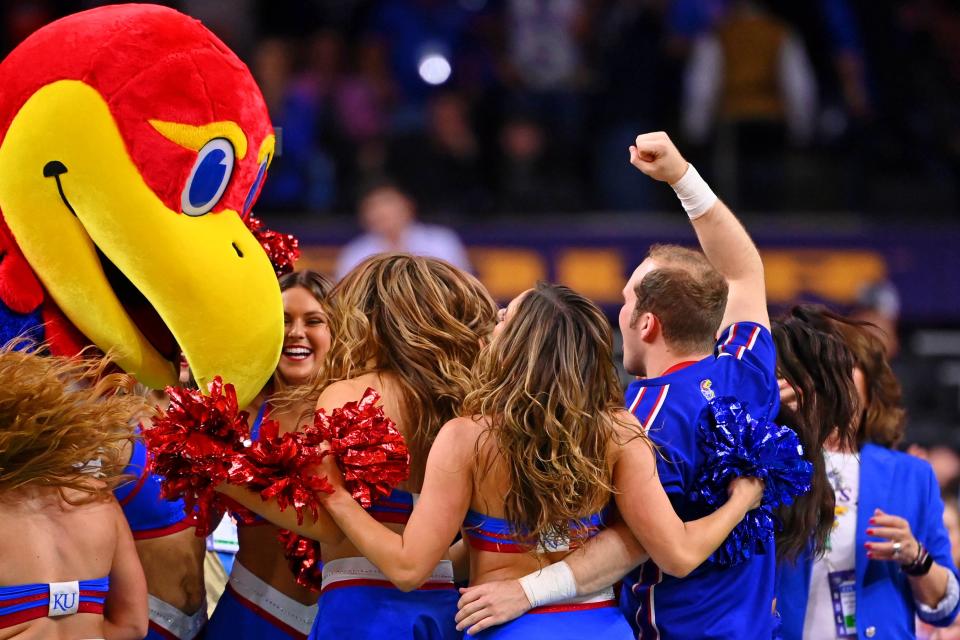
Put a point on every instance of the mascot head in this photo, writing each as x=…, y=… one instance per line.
x=133, y=144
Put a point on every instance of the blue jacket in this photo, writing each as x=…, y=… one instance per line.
x=901, y=485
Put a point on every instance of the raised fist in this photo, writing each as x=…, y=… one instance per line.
x=656, y=155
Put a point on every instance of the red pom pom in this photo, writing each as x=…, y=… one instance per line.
x=303, y=554
x=369, y=449
x=194, y=445
x=283, y=249
x=281, y=468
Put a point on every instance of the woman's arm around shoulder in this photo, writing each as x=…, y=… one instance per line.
x=408, y=559
x=677, y=547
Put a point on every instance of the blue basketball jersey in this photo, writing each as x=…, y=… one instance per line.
x=712, y=602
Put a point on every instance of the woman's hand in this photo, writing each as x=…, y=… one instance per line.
x=902, y=547
x=749, y=491
x=788, y=395
x=328, y=467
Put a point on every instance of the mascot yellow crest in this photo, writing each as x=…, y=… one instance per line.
x=133, y=144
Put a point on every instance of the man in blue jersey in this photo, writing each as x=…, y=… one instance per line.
x=694, y=325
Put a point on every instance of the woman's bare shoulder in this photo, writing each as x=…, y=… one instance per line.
x=338, y=393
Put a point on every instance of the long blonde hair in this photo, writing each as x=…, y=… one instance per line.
x=420, y=319
x=548, y=386
x=63, y=423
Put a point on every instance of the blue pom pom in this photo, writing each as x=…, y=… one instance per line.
x=734, y=445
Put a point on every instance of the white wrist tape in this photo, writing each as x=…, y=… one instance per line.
x=552, y=584
x=695, y=194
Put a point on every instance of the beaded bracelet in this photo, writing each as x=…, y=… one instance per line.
x=920, y=566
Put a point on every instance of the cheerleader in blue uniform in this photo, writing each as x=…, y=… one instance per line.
x=409, y=328
x=531, y=473
x=170, y=552
x=69, y=567
x=262, y=599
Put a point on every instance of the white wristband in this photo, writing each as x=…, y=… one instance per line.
x=695, y=194
x=552, y=584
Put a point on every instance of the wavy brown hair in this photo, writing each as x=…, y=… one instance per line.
x=58, y=416
x=884, y=418
x=420, y=319
x=818, y=365
x=549, y=388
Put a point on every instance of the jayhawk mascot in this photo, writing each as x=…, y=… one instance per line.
x=133, y=145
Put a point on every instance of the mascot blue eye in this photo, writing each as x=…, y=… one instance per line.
x=208, y=178
x=261, y=172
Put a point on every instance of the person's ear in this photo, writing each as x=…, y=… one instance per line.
x=648, y=326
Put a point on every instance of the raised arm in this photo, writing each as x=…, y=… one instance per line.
x=725, y=242
x=125, y=613
x=408, y=559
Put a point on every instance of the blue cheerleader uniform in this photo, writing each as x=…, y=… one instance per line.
x=593, y=616
x=26, y=602
x=249, y=607
x=358, y=602
x=151, y=516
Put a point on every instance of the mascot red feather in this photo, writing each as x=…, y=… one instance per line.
x=133, y=144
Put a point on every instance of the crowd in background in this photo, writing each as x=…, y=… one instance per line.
x=524, y=106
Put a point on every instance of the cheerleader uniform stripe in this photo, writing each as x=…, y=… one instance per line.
x=23, y=603
x=148, y=513
x=250, y=609
x=496, y=535
x=395, y=508
x=358, y=602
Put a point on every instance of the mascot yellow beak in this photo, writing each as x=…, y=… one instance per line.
x=105, y=246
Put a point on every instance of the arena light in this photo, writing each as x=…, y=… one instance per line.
x=434, y=68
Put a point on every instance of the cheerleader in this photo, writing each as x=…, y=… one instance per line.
x=533, y=468
x=170, y=552
x=262, y=599
x=70, y=569
x=410, y=328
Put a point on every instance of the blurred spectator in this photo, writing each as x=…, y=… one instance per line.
x=879, y=304
x=545, y=59
x=638, y=80
x=691, y=19
x=443, y=166
x=409, y=31
x=945, y=463
x=750, y=84
x=357, y=92
x=302, y=175
x=388, y=216
x=533, y=177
